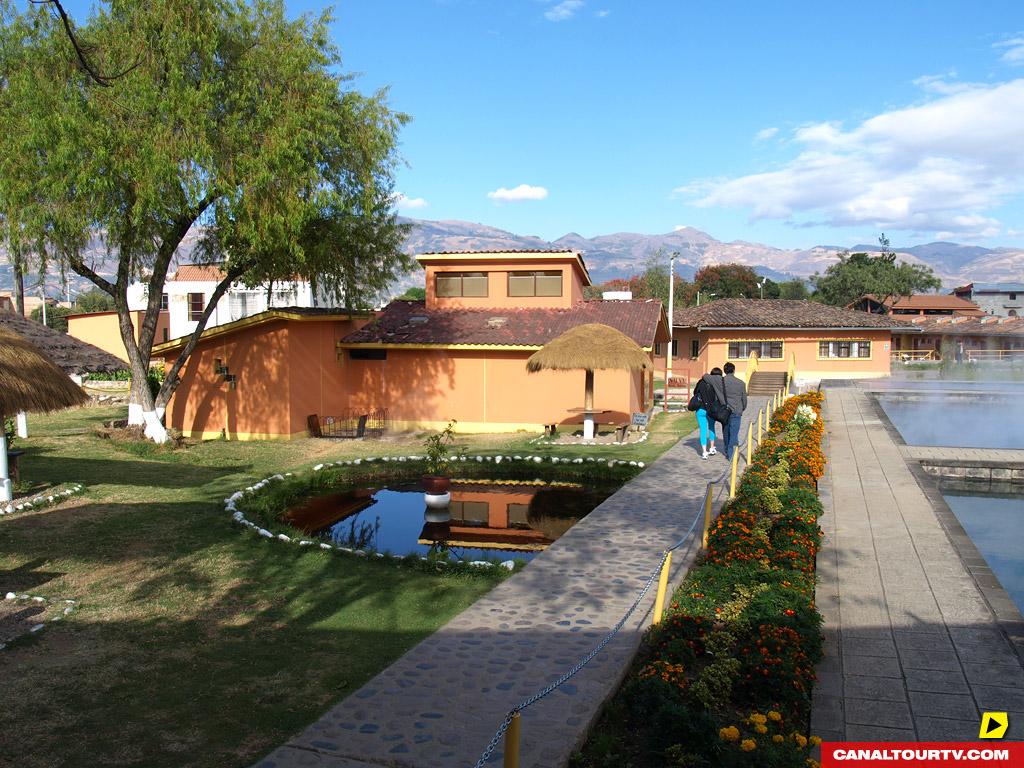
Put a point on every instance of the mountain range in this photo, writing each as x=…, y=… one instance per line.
x=622, y=254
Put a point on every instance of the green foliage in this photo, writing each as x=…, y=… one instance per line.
x=438, y=446
x=794, y=289
x=732, y=281
x=414, y=294
x=94, y=300
x=56, y=317
x=122, y=375
x=10, y=431
x=859, y=273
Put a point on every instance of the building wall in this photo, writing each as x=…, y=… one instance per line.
x=497, y=284
x=102, y=329
x=1000, y=304
x=714, y=346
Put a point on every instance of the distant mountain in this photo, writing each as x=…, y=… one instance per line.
x=622, y=254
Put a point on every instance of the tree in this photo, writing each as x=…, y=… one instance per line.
x=859, y=273
x=652, y=283
x=94, y=300
x=794, y=289
x=56, y=317
x=414, y=294
x=732, y=281
x=225, y=115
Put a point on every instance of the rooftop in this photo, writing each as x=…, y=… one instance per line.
x=778, y=313
x=198, y=273
x=967, y=326
x=71, y=355
x=410, y=322
x=926, y=301
x=992, y=287
x=554, y=254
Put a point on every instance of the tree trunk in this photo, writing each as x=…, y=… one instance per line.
x=19, y=290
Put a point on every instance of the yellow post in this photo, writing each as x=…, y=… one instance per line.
x=708, y=497
x=659, y=602
x=759, y=413
x=512, y=743
x=732, y=481
x=750, y=440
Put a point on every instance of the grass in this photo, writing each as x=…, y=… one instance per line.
x=194, y=644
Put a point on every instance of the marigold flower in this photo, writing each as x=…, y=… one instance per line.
x=775, y=717
x=800, y=739
x=757, y=717
x=814, y=741
x=777, y=738
x=761, y=728
x=729, y=733
x=748, y=745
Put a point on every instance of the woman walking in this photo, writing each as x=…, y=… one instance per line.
x=706, y=394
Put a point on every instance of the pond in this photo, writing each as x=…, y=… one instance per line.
x=964, y=422
x=486, y=519
x=996, y=526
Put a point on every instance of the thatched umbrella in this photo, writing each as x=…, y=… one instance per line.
x=590, y=347
x=29, y=381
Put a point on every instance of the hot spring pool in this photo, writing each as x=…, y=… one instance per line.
x=959, y=422
x=486, y=519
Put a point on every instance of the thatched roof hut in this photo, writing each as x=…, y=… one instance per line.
x=29, y=381
x=590, y=347
x=73, y=356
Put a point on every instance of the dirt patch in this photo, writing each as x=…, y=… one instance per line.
x=18, y=617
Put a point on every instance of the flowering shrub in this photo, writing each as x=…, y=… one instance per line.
x=742, y=631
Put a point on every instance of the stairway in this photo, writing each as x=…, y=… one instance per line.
x=766, y=382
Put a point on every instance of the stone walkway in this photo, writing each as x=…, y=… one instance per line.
x=439, y=705
x=914, y=651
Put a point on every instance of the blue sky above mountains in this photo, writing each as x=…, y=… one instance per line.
x=791, y=123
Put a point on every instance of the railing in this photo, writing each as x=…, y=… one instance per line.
x=914, y=355
x=751, y=367
x=791, y=370
x=993, y=355
x=349, y=425
x=510, y=728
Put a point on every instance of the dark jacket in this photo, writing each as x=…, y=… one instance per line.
x=735, y=394
x=715, y=387
x=705, y=394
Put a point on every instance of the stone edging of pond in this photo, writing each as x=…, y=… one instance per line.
x=38, y=599
x=231, y=502
x=41, y=500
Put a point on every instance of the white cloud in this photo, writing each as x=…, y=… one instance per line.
x=518, y=194
x=602, y=13
x=406, y=203
x=936, y=166
x=1014, y=50
x=563, y=11
x=766, y=133
x=679, y=227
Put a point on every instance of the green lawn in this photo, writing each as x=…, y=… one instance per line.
x=194, y=644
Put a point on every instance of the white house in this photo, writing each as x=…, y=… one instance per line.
x=187, y=291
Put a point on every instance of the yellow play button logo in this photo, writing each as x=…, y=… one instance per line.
x=993, y=725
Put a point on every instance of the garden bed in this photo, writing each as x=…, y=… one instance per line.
x=725, y=679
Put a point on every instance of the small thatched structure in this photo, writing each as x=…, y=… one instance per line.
x=590, y=347
x=73, y=356
x=29, y=381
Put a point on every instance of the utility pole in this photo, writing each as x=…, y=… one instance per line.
x=671, y=309
x=42, y=295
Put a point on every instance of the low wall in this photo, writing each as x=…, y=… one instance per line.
x=988, y=476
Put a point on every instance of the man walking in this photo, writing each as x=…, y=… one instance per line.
x=736, y=399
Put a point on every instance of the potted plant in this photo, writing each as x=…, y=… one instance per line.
x=435, y=480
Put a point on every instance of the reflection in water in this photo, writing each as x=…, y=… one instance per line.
x=485, y=519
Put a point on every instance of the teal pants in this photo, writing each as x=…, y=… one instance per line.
x=707, y=427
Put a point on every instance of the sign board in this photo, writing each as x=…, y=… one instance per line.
x=639, y=420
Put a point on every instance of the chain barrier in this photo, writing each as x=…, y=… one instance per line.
x=496, y=739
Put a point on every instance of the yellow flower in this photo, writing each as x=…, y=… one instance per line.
x=731, y=733
x=777, y=738
x=813, y=763
x=800, y=739
x=748, y=745
x=814, y=740
x=758, y=718
x=774, y=716
x=761, y=728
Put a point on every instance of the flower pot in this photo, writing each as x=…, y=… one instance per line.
x=435, y=484
x=437, y=500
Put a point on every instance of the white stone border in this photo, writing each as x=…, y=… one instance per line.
x=231, y=502
x=41, y=500
x=68, y=608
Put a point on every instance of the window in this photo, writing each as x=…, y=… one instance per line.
x=165, y=331
x=164, y=303
x=1013, y=297
x=657, y=348
x=844, y=349
x=766, y=350
x=675, y=347
x=535, y=283
x=196, y=304
x=367, y=354
x=474, y=513
x=695, y=348
x=518, y=515
x=455, y=284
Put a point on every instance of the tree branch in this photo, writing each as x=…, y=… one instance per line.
x=99, y=79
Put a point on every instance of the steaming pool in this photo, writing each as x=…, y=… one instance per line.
x=487, y=519
x=956, y=421
x=996, y=526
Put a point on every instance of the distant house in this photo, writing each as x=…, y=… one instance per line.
x=917, y=304
x=6, y=303
x=983, y=338
x=1000, y=299
x=459, y=354
x=103, y=330
x=821, y=341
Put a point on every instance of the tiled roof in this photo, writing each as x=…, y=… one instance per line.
x=410, y=322
x=567, y=251
x=71, y=355
x=198, y=273
x=992, y=287
x=777, y=313
x=926, y=301
x=968, y=326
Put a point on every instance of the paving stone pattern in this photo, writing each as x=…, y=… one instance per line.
x=440, y=703
x=913, y=650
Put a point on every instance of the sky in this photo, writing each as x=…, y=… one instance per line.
x=789, y=123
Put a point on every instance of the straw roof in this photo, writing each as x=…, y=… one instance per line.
x=591, y=346
x=72, y=355
x=29, y=381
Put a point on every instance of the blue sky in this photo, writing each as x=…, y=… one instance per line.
x=790, y=123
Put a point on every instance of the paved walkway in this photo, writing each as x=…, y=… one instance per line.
x=914, y=651
x=937, y=453
x=439, y=705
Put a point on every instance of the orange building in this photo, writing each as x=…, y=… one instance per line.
x=460, y=354
x=101, y=329
x=816, y=340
